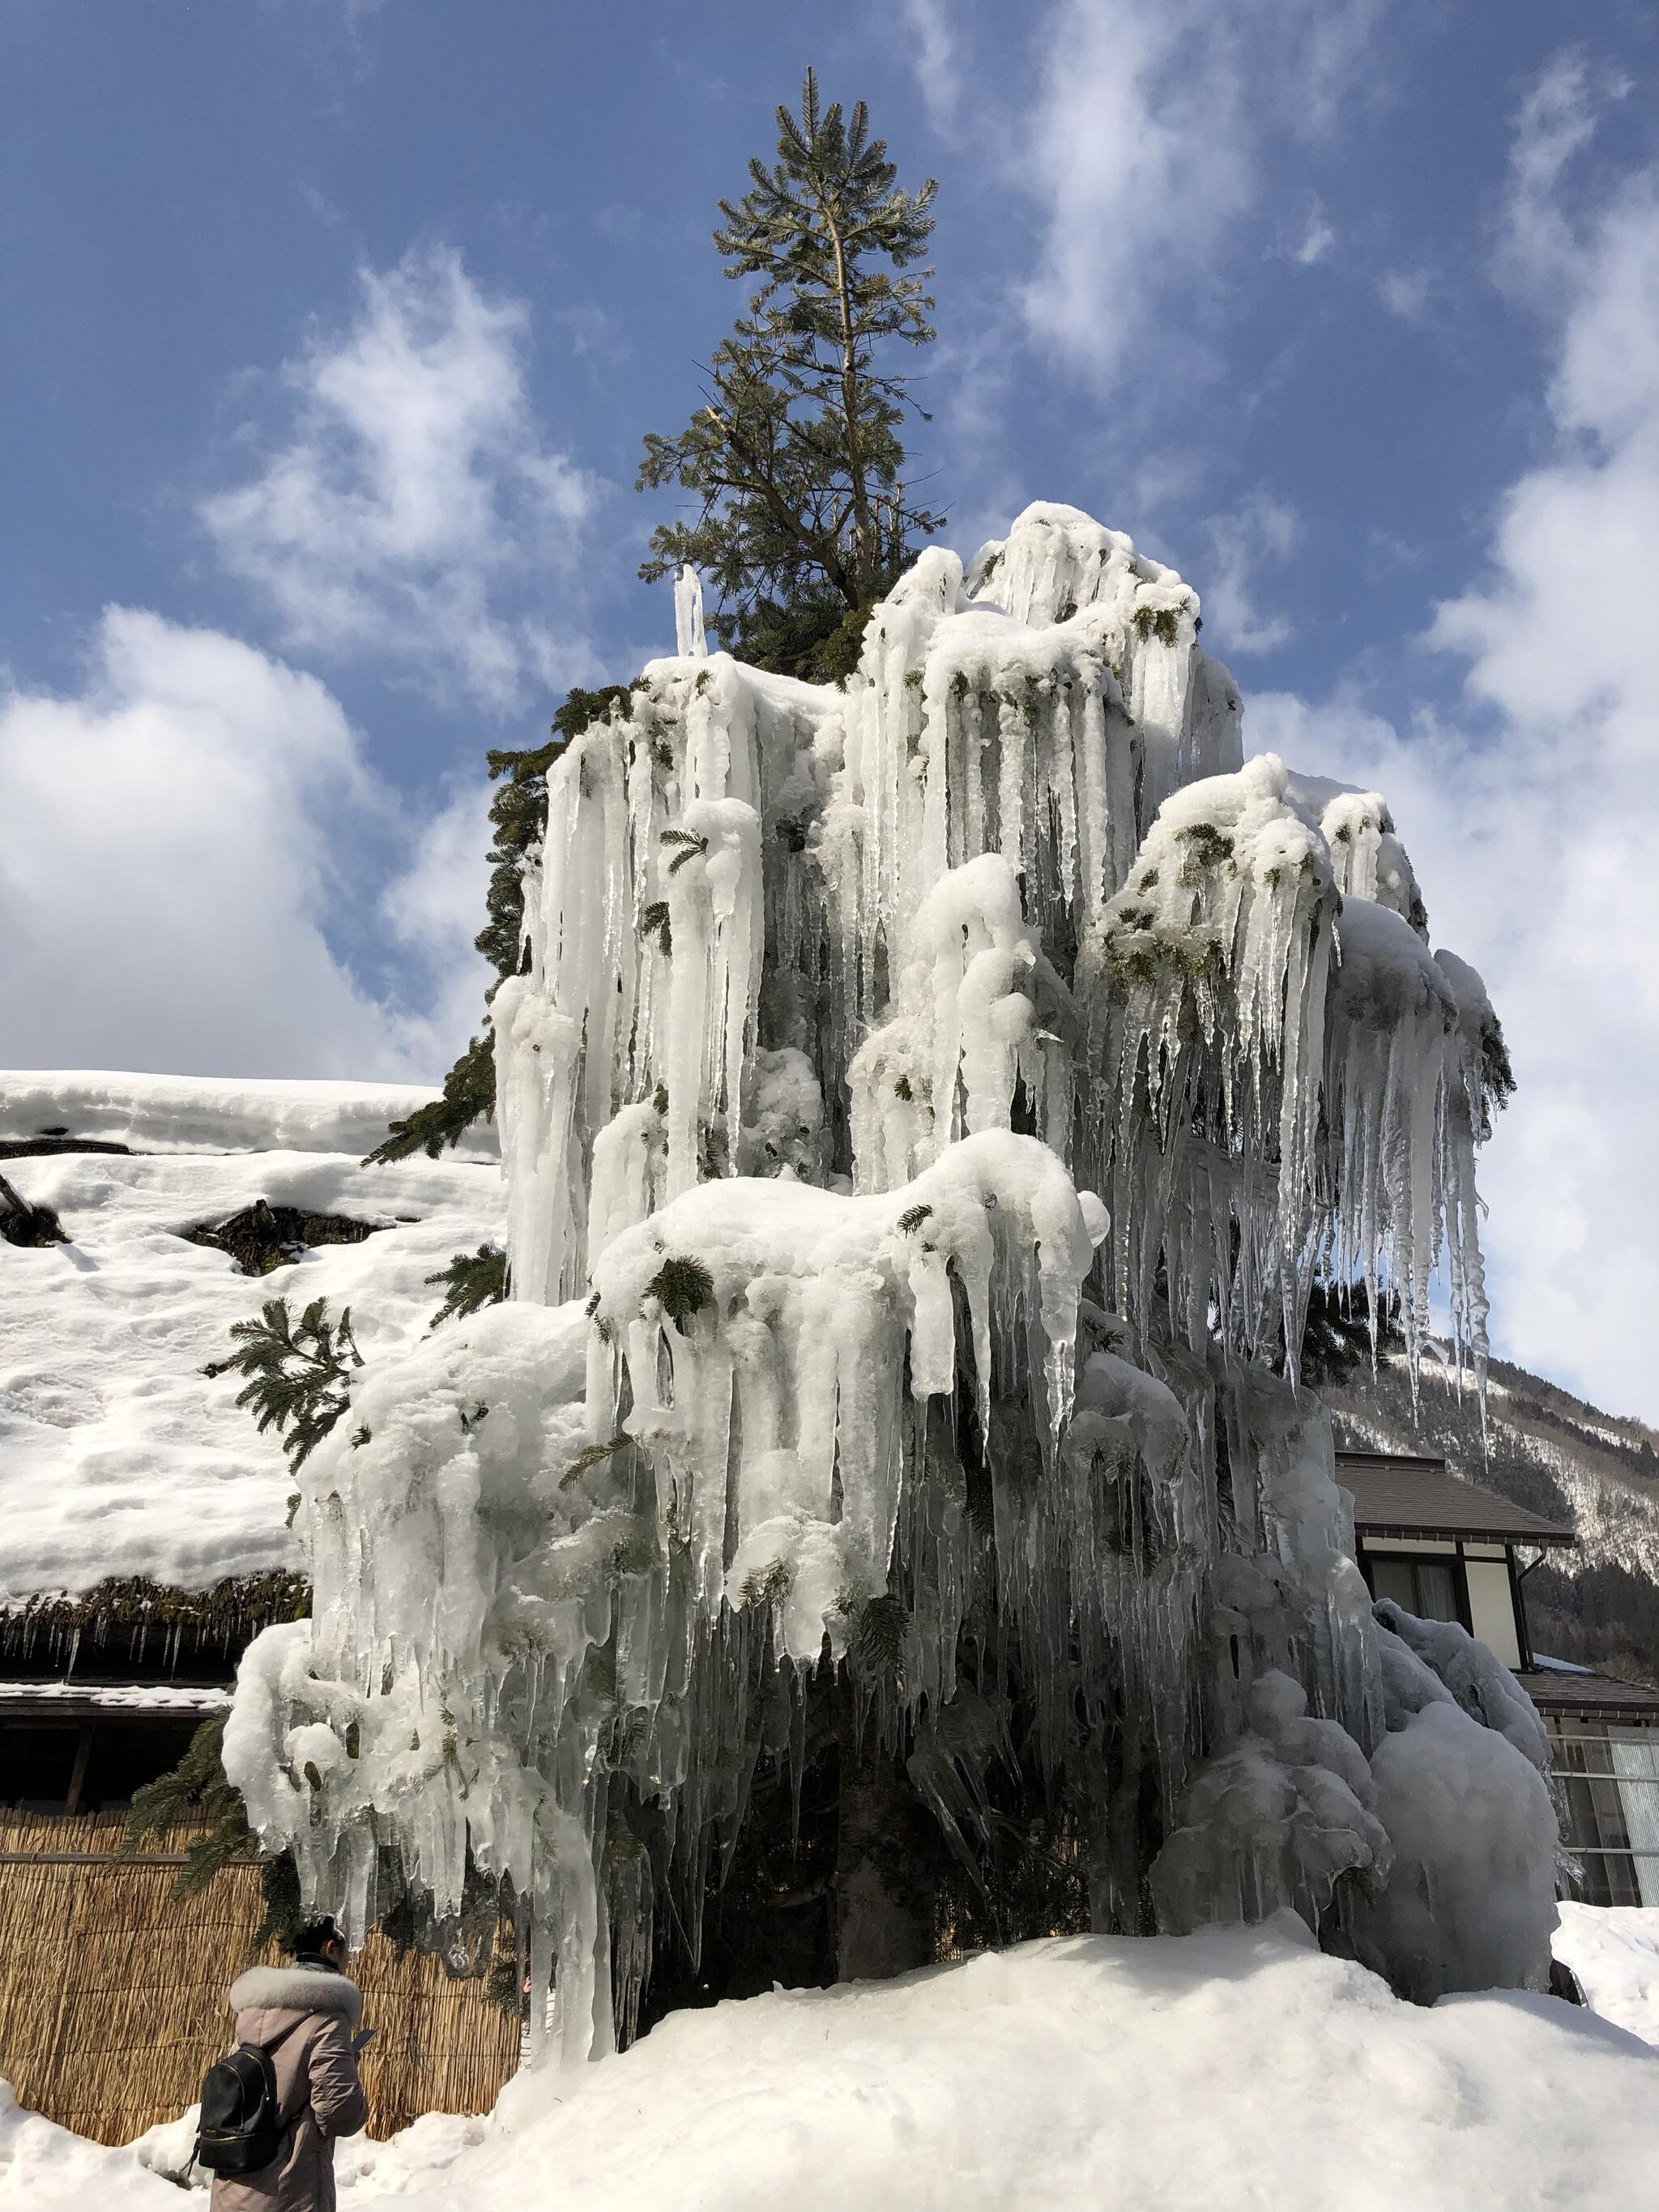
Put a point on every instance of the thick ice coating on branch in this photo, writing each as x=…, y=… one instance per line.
x=1206, y=1025
x=792, y=1312
x=839, y=1005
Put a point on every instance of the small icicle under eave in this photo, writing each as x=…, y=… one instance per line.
x=689, y=639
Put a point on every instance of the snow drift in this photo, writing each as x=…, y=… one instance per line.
x=1228, y=2069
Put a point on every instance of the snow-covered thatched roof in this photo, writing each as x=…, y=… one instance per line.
x=118, y=1456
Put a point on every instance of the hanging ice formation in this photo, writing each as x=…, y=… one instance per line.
x=925, y=1105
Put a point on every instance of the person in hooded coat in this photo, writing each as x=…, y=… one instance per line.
x=319, y=2094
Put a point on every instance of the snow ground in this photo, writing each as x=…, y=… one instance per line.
x=116, y=1455
x=1232, y=2069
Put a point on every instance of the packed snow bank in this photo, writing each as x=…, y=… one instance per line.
x=116, y=1455
x=1615, y=1951
x=215, y=1113
x=1227, y=2069
x=47, y=2166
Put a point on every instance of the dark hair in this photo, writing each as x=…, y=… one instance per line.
x=308, y=1942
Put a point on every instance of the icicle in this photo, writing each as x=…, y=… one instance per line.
x=690, y=641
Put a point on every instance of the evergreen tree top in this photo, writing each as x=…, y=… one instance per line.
x=831, y=191
x=795, y=455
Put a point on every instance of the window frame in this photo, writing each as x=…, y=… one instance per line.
x=1594, y=1802
x=1400, y=1555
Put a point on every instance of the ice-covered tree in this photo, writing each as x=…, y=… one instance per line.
x=927, y=1104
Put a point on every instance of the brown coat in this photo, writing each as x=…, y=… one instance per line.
x=317, y=2085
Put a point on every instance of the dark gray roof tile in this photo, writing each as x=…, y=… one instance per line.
x=1394, y=1496
x=1578, y=1693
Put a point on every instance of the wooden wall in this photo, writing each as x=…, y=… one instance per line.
x=113, y=1991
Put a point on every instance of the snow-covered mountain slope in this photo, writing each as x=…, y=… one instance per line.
x=118, y=1456
x=1235, y=2068
x=1597, y=1472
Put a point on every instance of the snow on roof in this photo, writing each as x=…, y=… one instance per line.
x=124, y=1698
x=117, y=1455
x=215, y=1113
x=1236, y=2066
x=1608, y=1695
x=1614, y=1952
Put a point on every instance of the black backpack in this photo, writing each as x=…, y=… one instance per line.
x=241, y=2126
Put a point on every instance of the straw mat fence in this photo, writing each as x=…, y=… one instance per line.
x=113, y=1992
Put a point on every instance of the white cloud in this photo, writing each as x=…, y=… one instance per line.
x=411, y=505
x=933, y=46
x=1536, y=830
x=1556, y=121
x=1259, y=532
x=1145, y=151
x=175, y=834
x=436, y=909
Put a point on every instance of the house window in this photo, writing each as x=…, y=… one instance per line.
x=1426, y=1588
x=36, y=1767
x=1608, y=1778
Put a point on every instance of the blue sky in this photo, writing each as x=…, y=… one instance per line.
x=332, y=332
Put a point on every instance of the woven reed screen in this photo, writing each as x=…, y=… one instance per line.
x=113, y=1992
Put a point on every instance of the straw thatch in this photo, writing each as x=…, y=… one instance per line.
x=113, y=1991
x=134, y=1629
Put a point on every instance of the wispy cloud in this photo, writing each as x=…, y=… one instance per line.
x=1259, y=532
x=1556, y=122
x=435, y=908
x=1144, y=150
x=1405, y=293
x=933, y=46
x=1318, y=240
x=409, y=501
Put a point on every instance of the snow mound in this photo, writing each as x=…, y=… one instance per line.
x=1225, y=2069
x=1615, y=1951
x=44, y=2165
x=214, y=1113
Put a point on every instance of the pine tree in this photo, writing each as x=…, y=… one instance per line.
x=804, y=515
x=795, y=457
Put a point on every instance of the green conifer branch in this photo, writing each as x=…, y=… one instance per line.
x=198, y=1791
x=471, y=1281
x=299, y=1373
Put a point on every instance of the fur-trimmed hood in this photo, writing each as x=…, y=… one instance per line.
x=297, y=1988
